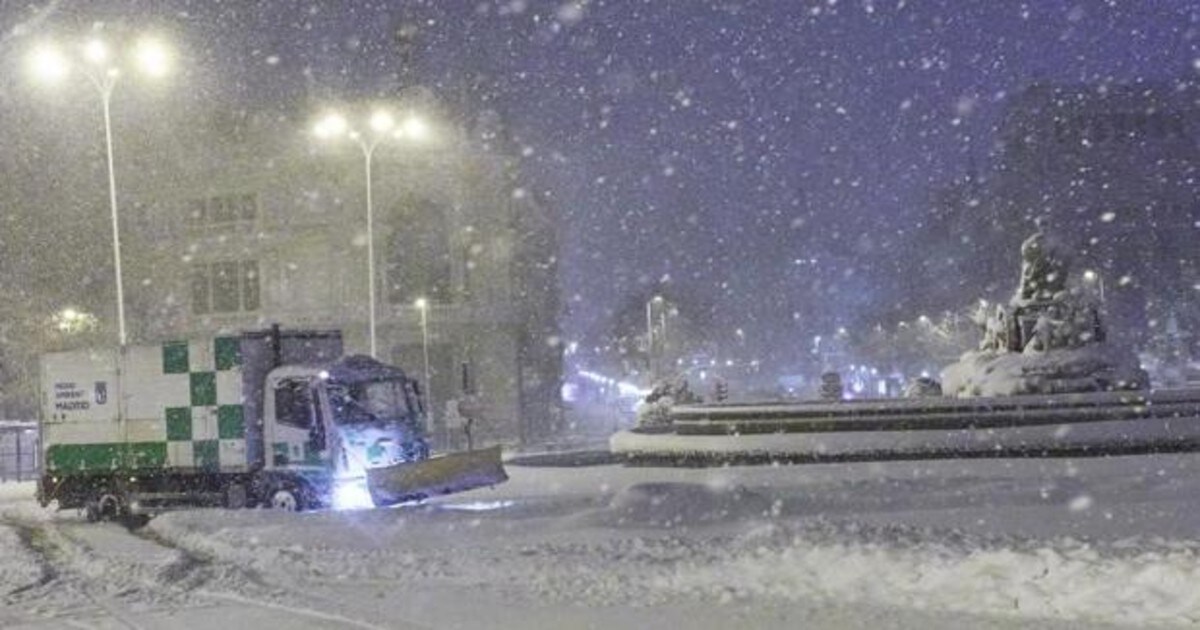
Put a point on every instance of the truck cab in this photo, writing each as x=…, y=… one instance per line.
x=330, y=424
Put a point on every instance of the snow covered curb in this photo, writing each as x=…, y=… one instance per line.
x=1144, y=434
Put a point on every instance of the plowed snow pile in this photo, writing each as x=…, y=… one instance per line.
x=979, y=543
x=671, y=541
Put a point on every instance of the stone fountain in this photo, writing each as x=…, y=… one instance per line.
x=1048, y=339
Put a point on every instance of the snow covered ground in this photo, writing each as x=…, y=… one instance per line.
x=931, y=544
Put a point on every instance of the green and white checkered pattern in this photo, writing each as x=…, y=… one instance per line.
x=181, y=408
x=205, y=425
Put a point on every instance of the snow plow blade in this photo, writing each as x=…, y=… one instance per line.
x=445, y=474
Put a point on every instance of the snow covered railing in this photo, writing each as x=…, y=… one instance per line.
x=933, y=414
x=1050, y=425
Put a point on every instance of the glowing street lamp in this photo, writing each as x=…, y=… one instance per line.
x=153, y=57
x=48, y=64
x=413, y=128
x=382, y=125
x=70, y=320
x=1094, y=278
x=382, y=122
x=99, y=66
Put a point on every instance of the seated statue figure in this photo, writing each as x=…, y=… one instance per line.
x=1044, y=268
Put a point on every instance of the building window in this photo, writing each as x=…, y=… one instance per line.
x=225, y=287
x=222, y=211
x=418, y=259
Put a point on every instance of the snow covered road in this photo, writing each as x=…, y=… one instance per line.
x=977, y=543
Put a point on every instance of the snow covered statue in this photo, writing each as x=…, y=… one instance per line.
x=1049, y=339
x=655, y=408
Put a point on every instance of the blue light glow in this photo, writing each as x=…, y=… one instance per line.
x=351, y=494
x=478, y=506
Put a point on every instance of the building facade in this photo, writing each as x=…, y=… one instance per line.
x=261, y=224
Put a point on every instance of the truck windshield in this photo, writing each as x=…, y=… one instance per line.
x=368, y=402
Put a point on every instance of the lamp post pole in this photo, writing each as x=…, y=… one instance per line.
x=334, y=125
x=154, y=60
x=422, y=304
x=383, y=125
x=106, y=97
x=368, y=150
x=650, y=341
x=650, y=353
x=1097, y=278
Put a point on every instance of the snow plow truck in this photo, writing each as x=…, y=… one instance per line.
x=269, y=418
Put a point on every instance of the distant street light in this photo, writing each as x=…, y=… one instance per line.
x=98, y=65
x=382, y=125
x=70, y=320
x=1094, y=278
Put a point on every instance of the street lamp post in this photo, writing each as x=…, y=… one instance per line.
x=382, y=125
x=51, y=65
x=650, y=358
x=422, y=305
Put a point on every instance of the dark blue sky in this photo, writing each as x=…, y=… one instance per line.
x=711, y=143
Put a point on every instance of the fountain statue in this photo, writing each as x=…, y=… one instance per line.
x=1048, y=339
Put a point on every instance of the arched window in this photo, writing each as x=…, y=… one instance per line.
x=418, y=253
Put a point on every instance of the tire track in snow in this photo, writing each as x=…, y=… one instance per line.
x=197, y=557
x=64, y=583
x=94, y=571
x=17, y=547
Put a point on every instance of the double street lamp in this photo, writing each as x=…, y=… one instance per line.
x=100, y=66
x=382, y=126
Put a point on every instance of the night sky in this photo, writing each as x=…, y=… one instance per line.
x=706, y=145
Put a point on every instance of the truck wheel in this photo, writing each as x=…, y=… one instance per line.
x=287, y=499
x=106, y=507
x=111, y=507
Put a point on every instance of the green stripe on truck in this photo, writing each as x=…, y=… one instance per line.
x=111, y=456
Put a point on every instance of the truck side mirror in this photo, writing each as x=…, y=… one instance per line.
x=316, y=437
x=418, y=395
x=316, y=426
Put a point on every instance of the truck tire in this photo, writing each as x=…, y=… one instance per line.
x=103, y=507
x=287, y=498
